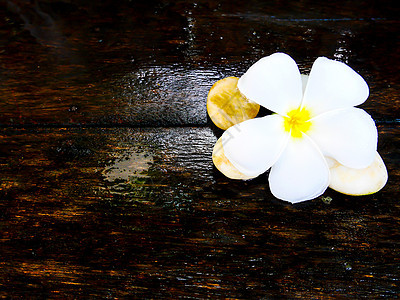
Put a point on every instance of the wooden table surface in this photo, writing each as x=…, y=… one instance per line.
x=107, y=187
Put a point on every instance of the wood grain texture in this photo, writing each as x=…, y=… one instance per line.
x=152, y=65
x=77, y=222
x=107, y=188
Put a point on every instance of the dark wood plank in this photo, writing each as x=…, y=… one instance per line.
x=100, y=211
x=142, y=213
x=70, y=63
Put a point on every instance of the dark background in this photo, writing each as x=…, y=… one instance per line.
x=107, y=188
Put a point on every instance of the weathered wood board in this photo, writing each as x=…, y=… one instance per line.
x=155, y=67
x=107, y=188
x=118, y=212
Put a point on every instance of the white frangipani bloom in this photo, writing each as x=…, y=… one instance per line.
x=311, y=124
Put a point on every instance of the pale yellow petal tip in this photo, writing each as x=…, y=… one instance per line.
x=226, y=106
x=358, y=182
x=224, y=165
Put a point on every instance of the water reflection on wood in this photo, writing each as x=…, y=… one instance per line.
x=107, y=186
x=182, y=229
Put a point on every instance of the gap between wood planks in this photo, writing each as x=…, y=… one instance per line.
x=126, y=125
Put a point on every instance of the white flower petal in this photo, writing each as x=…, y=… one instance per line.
x=347, y=135
x=301, y=172
x=273, y=82
x=333, y=85
x=224, y=165
x=304, y=80
x=253, y=146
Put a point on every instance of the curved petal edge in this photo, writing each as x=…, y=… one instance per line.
x=301, y=173
x=253, y=146
x=273, y=82
x=347, y=135
x=333, y=85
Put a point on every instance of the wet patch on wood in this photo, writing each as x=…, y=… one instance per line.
x=107, y=185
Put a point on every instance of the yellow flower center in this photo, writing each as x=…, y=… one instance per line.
x=297, y=122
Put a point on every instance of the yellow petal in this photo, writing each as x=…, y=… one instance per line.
x=358, y=182
x=224, y=165
x=226, y=106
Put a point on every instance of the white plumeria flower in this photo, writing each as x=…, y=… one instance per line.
x=312, y=123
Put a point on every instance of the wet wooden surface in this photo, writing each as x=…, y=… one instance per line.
x=107, y=187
